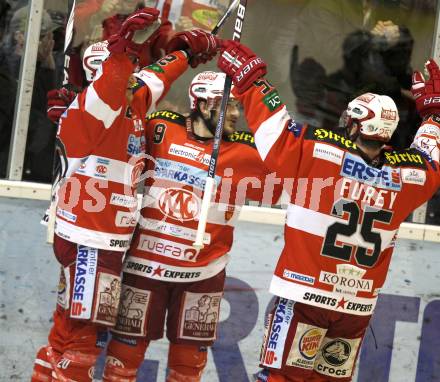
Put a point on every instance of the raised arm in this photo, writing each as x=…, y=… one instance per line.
x=427, y=95
x=278, y=138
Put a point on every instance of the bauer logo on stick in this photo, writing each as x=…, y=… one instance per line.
x=239, y=22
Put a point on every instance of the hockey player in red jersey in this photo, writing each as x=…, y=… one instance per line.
x=163, y=275
x=101, y=139
x=351, y=194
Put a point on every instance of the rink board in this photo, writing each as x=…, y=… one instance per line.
x=406, y=323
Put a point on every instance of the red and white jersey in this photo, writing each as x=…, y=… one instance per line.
x=176, y=174
x=102, y=140
x=344, y=214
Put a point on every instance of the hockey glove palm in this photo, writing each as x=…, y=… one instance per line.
x=58, y=100
x=201, y=45
x=241, y=64
x=123, y=40
x=427, y=93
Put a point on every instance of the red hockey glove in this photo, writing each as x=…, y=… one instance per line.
x=241, y=64
x=201, y=45
x=123, y=40
x=58, y=100
x=159, y=40
x=427, y=93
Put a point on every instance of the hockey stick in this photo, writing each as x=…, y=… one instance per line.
x=228, y=12
x=210, y=180
x=57, y=165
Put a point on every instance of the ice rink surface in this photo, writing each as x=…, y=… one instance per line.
x=406, y=324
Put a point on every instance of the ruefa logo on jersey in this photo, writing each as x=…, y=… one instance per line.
x=354, y=167
x=84, y=282
x=167, y=248
x=125, y=219
x=136, y=145
x=179, y=204
x=278, y=332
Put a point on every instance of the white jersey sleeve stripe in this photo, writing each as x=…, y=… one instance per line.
x=270, y=130
x=99, y=109
x=155, y=85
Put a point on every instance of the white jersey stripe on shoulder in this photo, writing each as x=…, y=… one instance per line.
x=99, y=109
x=270, y=130
x=156, y=86
x=317, y=223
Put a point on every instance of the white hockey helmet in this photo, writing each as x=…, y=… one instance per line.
x=377, y=116
x=93, y=57
x=207, y=86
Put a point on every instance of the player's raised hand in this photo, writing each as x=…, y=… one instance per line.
x=427, y=92
x=137, y=21
x=201, y=45
x=241, y=64
x=58, y=100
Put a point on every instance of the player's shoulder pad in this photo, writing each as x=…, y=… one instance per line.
x=244, y=137
x=167, y=115
x=406, y=158
x=320, y=134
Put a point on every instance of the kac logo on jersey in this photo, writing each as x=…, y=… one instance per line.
x=179, y=204
x=101, y=168
x=135, y=145
x=354, y=167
